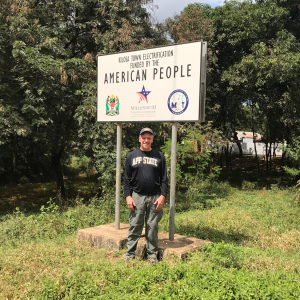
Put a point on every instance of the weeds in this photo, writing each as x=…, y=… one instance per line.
x=53, y=221
x=248, y=185
x=255, y=254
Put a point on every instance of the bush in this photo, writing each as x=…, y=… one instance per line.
x=24, y=179
x=70, y=171
x=78, y=165
x=248, y=185
x=218, y=189
x=105, y=163
x=294, y=154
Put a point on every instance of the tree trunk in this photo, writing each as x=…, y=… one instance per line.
x=238, y=143
x=282, y=158
x=267, y=155
x=254, y=140
x=60, y=187
x=256, y=156
x=221, y=158
x=227, y=155
x=14, y=168
x=230, y=166
x=274, y=150
x=240, y=148
x=270, y=155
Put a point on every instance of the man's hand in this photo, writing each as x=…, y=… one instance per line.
x=159, y=202
x=130, y=203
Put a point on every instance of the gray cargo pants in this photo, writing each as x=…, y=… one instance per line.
x=144, y=210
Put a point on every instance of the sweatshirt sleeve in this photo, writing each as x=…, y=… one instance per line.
x=127, y=177
x=163, y=176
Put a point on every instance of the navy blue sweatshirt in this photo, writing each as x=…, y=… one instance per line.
x=145, y=173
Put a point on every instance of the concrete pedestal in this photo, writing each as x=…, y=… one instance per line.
x=106, y=236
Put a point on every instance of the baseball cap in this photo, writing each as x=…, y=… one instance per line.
x=146, y=129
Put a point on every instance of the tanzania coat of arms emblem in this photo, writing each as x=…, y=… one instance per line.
x=112, y=105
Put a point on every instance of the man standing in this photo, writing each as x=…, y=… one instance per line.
x=145, y=189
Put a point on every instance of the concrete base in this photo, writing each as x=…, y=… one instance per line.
x=106, y=236
x=180, y=247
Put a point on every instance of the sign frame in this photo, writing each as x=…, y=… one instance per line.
x=202, y=70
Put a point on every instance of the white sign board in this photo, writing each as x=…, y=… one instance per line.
x=154, y=85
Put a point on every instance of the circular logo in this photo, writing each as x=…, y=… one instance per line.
x=178, y=102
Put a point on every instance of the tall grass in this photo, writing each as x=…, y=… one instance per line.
x=255, y=255
x=54, y=221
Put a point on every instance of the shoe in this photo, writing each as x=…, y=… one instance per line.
x=128, y=258
x=153, y=261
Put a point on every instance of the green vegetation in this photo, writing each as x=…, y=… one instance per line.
x=48, y=53
x=48, y=73
x=57, y=164
x=255, y=255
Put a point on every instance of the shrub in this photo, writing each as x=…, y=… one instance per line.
x=248, y=185
x=218, y=189
x=83, y=165
x=294, y=154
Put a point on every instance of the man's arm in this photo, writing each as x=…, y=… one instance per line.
x=163, y=176
x=127, y=176
x=127, y=179
x=163, y=183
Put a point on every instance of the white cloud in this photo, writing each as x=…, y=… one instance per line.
x=169, y=8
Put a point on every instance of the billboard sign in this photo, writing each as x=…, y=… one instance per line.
x=154, y=85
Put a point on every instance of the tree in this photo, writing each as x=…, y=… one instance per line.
x=263, y=37
x=50, y=51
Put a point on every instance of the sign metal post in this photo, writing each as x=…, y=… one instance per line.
x=203, y=81
x=173, y=182
x=118, y=176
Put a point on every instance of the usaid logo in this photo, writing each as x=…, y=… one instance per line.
x=178, y=102
x=143, y=95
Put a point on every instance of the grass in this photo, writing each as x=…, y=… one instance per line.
x=258, y=229
x=255, y=255
x=261, y=218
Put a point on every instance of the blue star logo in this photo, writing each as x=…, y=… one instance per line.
x=144, y=92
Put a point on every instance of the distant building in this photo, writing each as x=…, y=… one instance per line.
x=246, y=140
x=247, y=136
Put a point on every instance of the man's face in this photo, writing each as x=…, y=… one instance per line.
x=146, y=139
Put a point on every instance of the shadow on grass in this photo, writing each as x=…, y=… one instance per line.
x=210, y=234
x=200, y=202
x=30, y=197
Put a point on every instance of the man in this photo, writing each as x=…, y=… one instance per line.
x=145, y=189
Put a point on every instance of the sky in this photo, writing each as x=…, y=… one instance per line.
x=168, y=8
